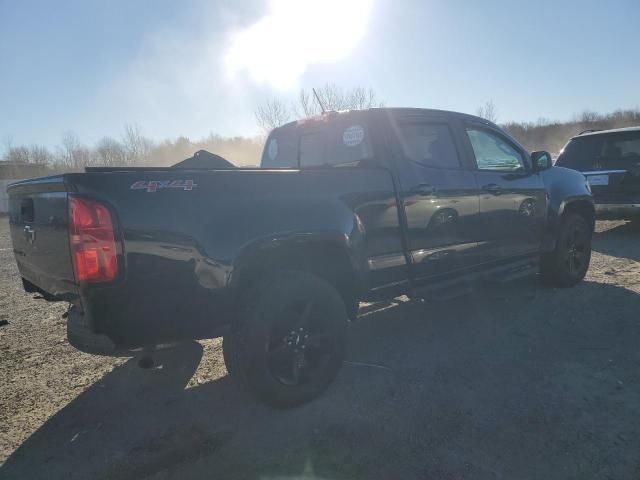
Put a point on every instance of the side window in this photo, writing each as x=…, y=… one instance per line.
x=620, y=151
x=494, y=153
x=429, y=144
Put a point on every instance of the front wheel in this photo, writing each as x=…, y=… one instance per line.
x=292, y=339
x=568, y=263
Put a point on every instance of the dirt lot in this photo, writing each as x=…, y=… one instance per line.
x=515, y=381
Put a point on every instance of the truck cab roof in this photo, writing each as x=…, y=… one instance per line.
x=408, y=111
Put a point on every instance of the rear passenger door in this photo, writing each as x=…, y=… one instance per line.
x=439, y=197
x=513, y=200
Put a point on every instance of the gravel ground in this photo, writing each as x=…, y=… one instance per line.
x=514, y=381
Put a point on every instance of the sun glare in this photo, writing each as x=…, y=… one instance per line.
x=295, y=34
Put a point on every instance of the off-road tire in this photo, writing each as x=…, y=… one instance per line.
x=568, y=263
x=258, y=351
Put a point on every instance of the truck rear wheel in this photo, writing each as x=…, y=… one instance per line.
x=568, y=263
x=292, y=339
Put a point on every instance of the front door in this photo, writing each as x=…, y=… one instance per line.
x=513, y=200
x=439, y=198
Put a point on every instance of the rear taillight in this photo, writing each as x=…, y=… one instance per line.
x=92, y=239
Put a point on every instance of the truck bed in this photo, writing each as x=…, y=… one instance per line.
x=182, y=234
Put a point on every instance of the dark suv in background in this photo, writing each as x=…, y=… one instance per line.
x=610, y=159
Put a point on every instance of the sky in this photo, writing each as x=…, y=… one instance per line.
x=194, y=67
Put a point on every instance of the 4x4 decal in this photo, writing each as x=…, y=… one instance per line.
x=153, y=185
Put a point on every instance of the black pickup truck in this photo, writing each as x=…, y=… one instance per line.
x=346, y=207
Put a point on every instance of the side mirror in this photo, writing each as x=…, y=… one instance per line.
x=541, y=161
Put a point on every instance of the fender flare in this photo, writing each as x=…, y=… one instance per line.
x=283, y=241
x=554, y=218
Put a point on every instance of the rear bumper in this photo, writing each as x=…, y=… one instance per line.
x=95, y=334
x=80, y=333
x=81, y=336
x=617, y=210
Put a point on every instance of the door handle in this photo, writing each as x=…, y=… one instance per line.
x=493, y=188
x=424, y=190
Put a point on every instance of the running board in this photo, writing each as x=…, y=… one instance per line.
x=445, y=290
x=518, y=273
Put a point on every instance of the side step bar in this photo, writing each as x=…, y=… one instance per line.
x=449, y=289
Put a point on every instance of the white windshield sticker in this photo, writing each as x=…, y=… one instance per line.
x=272, y=150
x=353, y=136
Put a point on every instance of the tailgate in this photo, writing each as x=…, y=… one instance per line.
x=617, y=176
x=614, y=185
x=38, y=217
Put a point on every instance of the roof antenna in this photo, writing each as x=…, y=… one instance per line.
x=319, y=101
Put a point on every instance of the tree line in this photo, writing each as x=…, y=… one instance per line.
x=132, y=148
x=552, y=135
x=543, y=134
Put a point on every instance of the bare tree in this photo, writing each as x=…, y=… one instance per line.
x=37, y=154
x=307, y=105
x=274, y=112
x=336, y=98
x=136, y=146
x=271, y=114
x=72, y=153
x=589, y=116
x=332, y=97
x=360, y=98
x=8, y=143
x=110, y=153
x=488, y=112
x=40, y=155
x=18, y=155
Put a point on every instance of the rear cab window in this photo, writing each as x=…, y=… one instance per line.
x=340, y=140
